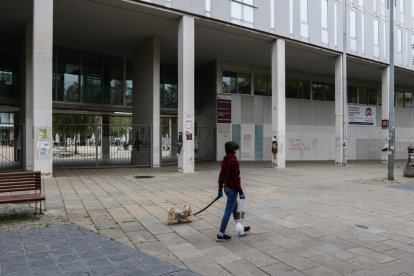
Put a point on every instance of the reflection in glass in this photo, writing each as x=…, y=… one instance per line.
x=229, y=82
x=67, y=75
x=352, y=94
x=243, y=83
x=260, y=85
x=129, y=83
x=303, y=89
x=236, y=10
x=399, y=99
x=408, y=99
x=112, y=80
x=291, y=89
x=372, y=96
x=363, y=95
x=92, y=78
x=318, y=91
x=169, y=86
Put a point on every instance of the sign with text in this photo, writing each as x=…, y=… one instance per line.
x=223, y=109
x=362, y=115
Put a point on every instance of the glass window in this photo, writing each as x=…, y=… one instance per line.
x=92, y=78
x=352, y=94
x=169, y=81
x=113, y=80
x=335, y=24
x=243, y=83
x=363, y=95
x=242, y=12
x=67, y=75
x=399, y=99
x=229, y=82
x=324, y=20
x=372, y=96
x=352, y=23
x=304, y=27
x=129, y=83
x=329, y=92
x=260, y=85
x=408, y=99
x=362, y=34
x=291, y=89
x=208, y=7
x=376, y=38
x=236, y=10
x=318, y=91
x=303, y=89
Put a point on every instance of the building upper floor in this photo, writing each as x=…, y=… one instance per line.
x=318, y=22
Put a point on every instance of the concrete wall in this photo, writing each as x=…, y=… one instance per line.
x=310, y=125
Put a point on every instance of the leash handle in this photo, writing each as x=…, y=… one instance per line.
x=207, y=206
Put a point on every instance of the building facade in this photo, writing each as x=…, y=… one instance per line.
x=192, y=74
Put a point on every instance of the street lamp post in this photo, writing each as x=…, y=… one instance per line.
x=391, y=127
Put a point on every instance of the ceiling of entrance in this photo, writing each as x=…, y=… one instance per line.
x=118, y=26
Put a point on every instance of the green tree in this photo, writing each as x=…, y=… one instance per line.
x=68, y=124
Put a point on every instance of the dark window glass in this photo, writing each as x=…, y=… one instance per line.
x=329, y=92
x=243, y=83
x=379, y=96
x=291, y=89
x=113, y=80
x=399, y=99
x=6, y=84
x=372, y=96
x=129, y=83
x=67, y=75
x=408, y=99
x=229, y=82
x=363, y=95
x=352, y=94
x=303, y=89
x=9, y=66
x=269, y=86
x=318, y=91
x=169, y=86
x=92, y=78
x=260, y=85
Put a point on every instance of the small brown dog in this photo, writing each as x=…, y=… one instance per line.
x=179, y=215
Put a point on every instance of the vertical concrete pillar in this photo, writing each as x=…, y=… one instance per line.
x=39, y=84
x=339, y=111
x=146, y=103
x=186, y=93
x=279, y=100
x=28, y=135
x=105, y=141
x=385, y=109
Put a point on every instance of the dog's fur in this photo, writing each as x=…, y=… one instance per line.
x=179, y=215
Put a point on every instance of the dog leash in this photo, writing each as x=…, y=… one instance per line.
x=207, y=206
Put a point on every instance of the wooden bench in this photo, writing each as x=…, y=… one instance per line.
x=21, y=187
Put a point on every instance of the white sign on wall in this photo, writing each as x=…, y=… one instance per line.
x=362, y=115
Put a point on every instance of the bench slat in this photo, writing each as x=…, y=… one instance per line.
x=21, y=198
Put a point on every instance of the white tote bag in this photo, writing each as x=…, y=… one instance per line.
x=240, y=217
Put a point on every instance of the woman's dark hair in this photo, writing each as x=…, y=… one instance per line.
x=231, y=147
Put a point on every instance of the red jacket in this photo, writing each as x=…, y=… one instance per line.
x=230, y=173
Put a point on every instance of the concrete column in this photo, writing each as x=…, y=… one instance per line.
x=105, y=143
x=339, y=111
x=28, y=145
x=39, y=89
x=186, y=93
x=385, y=78
x=279, y=101
x=146, y=103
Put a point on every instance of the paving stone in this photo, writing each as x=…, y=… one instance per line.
x=295, y=261
x=372, y=255
x=281, y=269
